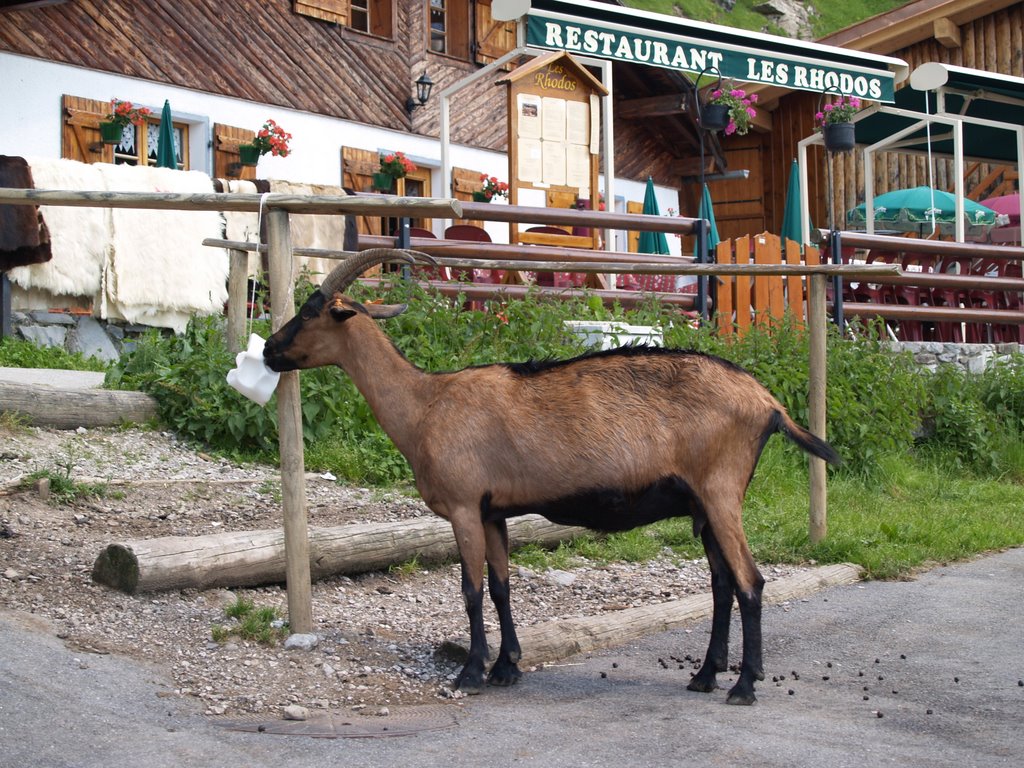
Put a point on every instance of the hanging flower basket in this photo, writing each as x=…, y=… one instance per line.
x=110, y=133
x=480, y=197
x=383, y=182
x=249, y=154
x=839, y=137
x=714, y=117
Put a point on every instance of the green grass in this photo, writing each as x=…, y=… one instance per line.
x=827, y=17
x=250, y=623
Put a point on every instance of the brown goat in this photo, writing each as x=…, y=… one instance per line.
x=610, y=441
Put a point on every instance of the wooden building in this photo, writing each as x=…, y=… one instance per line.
x=339, y=75
x=978, y=34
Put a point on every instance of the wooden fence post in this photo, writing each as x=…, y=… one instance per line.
x=817, y=322
x=238, y=263
x=289, y=420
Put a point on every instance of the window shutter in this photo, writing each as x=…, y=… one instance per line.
x=226, y=162
x=458, y=28
x=80, y=130
x=357, y=169
x=380, y=18
x=464, y=183
x=493, y=38
x=334, y=11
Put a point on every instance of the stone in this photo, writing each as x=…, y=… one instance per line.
x=44, y=335
x=559, y=578
x=295, y=712
x=301, y=642
x=91, y=340
x=51, y=318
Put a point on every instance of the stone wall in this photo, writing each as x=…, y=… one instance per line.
x=972, y=357
x=104, y=340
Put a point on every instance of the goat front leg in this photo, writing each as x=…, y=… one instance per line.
x=722, y=589
x=506, y=668
x=470, y=540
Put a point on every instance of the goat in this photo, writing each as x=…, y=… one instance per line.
x=611, y=441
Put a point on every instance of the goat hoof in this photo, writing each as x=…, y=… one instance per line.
x=504, y=674
x=742, y=698
x=470, y=683
x=703, y=682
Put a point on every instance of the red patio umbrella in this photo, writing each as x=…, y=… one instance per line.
x=1008, y=205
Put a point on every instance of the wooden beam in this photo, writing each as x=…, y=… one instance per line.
x=652, y=106
x=946, y=31
x=691, y=166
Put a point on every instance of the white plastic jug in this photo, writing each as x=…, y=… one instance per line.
x=251, y=376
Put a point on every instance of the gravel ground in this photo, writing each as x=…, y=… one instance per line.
x=380, y=633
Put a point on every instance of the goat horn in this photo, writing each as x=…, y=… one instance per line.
x=343, y=275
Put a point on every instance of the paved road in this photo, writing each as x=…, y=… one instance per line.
x=950, y=642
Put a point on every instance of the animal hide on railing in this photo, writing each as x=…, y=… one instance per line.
x=144, y=266
x=24, y=238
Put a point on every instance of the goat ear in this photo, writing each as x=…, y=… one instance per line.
x=384, y=311
x=340, y=313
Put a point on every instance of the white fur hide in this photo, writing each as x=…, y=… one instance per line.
x=144, y=266
x=314, y=230
x=79, y=236
x=243, y=226
x=158, y=271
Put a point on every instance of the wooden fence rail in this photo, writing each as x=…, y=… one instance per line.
x=282, y=279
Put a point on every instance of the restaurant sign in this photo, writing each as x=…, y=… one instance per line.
x=686, y=54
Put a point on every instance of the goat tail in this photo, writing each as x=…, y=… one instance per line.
x=811, y=443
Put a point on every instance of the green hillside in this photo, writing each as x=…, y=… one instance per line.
x=829, y=15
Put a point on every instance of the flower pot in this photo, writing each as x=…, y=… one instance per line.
x=481, y=197
x=110, y=133
x=248, y=154
x=714, y=117
x=839, y=137
x=383, y=182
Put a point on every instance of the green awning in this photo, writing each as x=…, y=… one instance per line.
x=968, y=97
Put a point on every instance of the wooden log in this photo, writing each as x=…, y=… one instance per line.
x=72, y=408
x=560, y=638
x=251, y=558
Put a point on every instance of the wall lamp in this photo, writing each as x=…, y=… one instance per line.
x=424, y=85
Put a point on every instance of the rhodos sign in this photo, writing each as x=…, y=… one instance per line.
x=693, y=55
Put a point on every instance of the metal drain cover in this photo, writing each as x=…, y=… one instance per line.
x=338, y=725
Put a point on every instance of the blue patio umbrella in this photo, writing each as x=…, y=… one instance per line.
x=165, y=155
x=791, y=218
x=652, y=242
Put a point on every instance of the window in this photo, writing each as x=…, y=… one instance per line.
x=448, y=24
x=139, y=144
x=370, y=16
x=360, y=15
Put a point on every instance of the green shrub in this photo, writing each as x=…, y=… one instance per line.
x=19, y=353
x=877, y=399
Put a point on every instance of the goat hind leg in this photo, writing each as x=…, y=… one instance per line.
x=749, y=585
x=722, y=588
